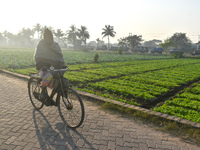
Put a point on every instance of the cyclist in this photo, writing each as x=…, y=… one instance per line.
x=48, y=53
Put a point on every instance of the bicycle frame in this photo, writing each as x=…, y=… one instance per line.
x=67, y=100
x=61, y=80
x=58, y=88
x=60, y=85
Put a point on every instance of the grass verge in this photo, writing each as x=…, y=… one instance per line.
x=185, y=132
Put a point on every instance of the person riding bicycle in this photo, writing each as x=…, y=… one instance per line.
x=48, y=53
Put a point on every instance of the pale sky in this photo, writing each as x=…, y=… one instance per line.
x=153, y=19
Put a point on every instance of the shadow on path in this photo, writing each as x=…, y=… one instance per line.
x=59, y=137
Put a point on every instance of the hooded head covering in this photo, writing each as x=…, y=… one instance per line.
x=48, y=37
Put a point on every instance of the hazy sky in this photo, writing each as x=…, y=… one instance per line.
x=153, y=19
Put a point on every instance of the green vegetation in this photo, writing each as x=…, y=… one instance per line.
x=15, y=58
x=96, y=58
x=184, y=105
x=137, y=79
x=177, y=55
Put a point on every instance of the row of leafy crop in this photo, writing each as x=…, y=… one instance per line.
x=74, y=57
x=12, y=58
x=155, y=64
x=184, y=105
x=94, y=71
x=100, y=71
x=15, y=58
x=105, y=70
x=145, y=86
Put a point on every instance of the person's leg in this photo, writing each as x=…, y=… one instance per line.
x=65, y=83
x=43, y=93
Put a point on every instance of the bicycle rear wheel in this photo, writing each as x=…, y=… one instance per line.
x=71, y=108
x=34, y=91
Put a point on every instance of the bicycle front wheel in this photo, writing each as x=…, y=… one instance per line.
x=71, y=108
x=34, y=91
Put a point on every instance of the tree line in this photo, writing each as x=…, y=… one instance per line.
x=77, y=36
x=74, y=35
x=178, y=41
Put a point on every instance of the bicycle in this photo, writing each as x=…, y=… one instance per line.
x=68, y=101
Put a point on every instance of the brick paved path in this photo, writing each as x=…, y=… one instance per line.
x=22, y=127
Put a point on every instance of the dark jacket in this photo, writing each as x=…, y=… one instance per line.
x=49, y=55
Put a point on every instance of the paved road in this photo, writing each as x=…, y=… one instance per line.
x=22, y=127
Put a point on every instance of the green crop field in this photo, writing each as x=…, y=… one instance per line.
x=15, y=58
x=185, y=105
x=157, y=82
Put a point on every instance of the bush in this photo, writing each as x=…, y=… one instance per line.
x=120, y=50
x=96, y=58
x=177, y=55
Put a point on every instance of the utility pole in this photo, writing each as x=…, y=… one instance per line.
x=198, y=43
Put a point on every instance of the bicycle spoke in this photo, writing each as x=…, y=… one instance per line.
x=70, y=105
x=71, y=109
x=34, y=91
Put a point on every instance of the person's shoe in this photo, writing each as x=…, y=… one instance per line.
x=44, y=96
x=37, y=95
x=52, y=102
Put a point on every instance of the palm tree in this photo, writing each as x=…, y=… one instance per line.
x=83, y=34
x=8, y=37
x=59, y=33
x=108, y=31
x=2, y=39
x=38, y=28
x=26, y=34
x=5, y=35
x=72, y=34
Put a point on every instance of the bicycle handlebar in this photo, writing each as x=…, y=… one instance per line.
x=56, y=70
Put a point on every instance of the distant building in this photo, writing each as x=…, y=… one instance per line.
x=92, y=43
x=101, y=43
